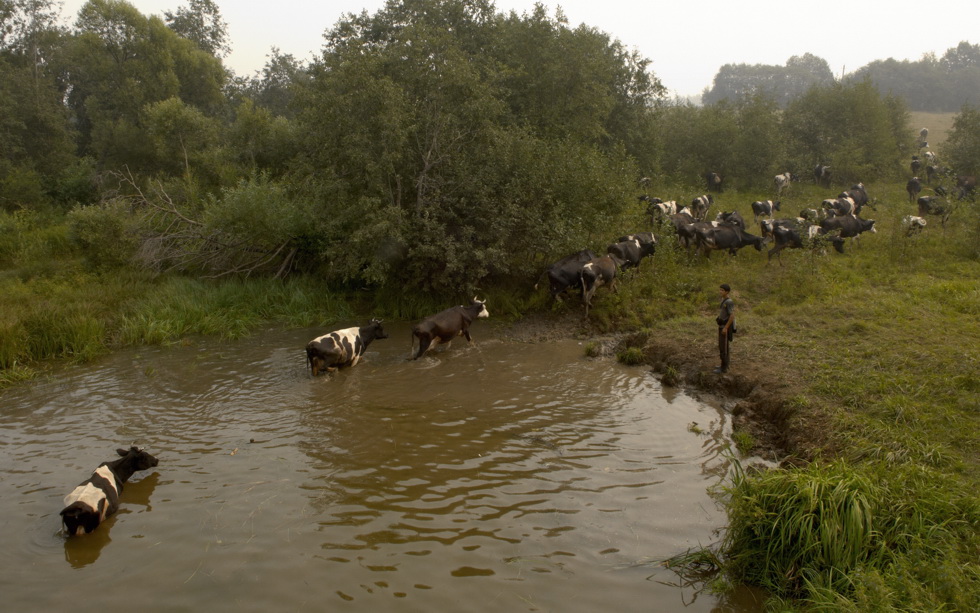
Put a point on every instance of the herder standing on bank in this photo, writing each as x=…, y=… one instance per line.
x=726, y=327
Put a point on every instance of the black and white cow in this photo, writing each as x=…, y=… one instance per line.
x=713, y=180
x=341, y=347
x=734, y=218
x=661, y=210
x=598, y=272
x=848, y=226
x=813, y=215
x=97, y=497
x=821, y=175
x=632, y=248
x=783, y=182
x=935, y=205
x=566, y=272
x=797, y=236
x=700, y=206
x=727, y=237
x=446, y=325
x=913, y=187
x=913, y=224
x=858, y=194
x=915, y=165
x=764, y=208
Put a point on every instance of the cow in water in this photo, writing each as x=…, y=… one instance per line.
x=341, y=347
x=446, y=325
x=97, y=497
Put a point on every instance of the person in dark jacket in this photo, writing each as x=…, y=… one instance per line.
x=726, y=327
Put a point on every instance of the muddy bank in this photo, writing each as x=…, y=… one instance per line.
x=764, y=396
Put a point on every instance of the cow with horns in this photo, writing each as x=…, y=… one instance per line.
x=446, y=325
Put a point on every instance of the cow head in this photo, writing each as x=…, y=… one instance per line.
x=379, y=332
x=483, y=312
x=140, y=458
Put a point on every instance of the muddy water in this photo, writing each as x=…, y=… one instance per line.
x=496, y=477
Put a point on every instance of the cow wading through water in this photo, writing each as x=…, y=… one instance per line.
x=446, y=325
x=97, y=497
x=341, y=347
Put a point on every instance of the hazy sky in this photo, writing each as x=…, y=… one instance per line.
x=687, y=41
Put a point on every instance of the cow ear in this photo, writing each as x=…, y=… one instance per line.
x=121, y=452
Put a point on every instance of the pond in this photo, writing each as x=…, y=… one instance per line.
x=496, y=476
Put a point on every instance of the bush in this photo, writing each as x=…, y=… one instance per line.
x=104, y=233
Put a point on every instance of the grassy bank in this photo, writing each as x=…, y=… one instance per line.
x=859, y=372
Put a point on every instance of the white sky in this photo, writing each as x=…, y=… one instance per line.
x=687, y=41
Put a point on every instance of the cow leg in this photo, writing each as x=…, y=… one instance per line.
x=423, y=347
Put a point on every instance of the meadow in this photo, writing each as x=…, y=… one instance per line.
x=858, y=372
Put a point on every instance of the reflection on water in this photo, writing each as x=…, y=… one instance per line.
x=485, y=477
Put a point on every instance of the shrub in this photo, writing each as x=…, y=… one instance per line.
x=104, y=233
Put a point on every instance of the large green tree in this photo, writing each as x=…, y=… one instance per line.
x=122, y=62
x=450, y=143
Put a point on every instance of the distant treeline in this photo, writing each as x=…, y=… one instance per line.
x=435, y=145
x=932, y=84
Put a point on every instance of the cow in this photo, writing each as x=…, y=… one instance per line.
x=821, y=175
x=913, y=224
x=783, y=181
x=796, y=236
x=965, y=185
x=733, y=218
x=931, y=173
x=624, y=249
x=446, y=325
x=683, y=224
x=915, y=165
x=930, y=157
x=935, y=205
x=341, y=347
x=598, y=272
x=565, y=273
x=764, y=208
x=659, y=208
x=858, y=194
x=849, y=226
x=813, y=215
x=768, y=226
x=924, y=133
x=713, y=179
x=628, y=251
x=97, y=497
x=725, y=236
x=700, y=206
x=913, y=187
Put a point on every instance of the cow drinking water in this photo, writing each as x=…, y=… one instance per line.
x=97, y=497
x=446, y=325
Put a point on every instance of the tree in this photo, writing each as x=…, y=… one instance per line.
x=121, y=63
x=855, y=130
x=35, y=139
x=201, y=23
x=962, y=147
x=781, y=83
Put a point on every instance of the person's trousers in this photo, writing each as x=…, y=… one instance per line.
x=724, y=338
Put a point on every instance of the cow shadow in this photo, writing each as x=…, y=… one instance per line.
x=83, y=550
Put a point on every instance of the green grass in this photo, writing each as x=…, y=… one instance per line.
x=878, y=352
